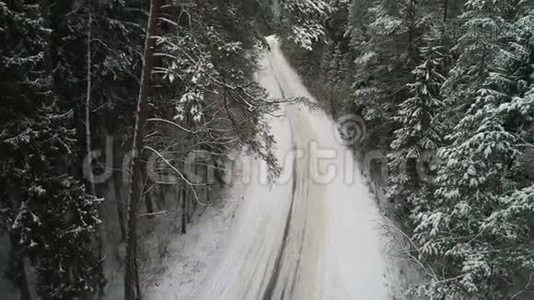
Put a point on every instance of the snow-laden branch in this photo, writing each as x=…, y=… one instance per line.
x=173, y=124
x=191, y=185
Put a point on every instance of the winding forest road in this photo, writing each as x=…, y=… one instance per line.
x=313, y=233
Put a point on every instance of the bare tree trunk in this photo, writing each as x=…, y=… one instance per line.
x=184, y=208
x=162, y=195
x=117, y=185
x=131, y=280
x=148, y=203
x=187, y=206
x=412, y=51
x=90, y=180
x=445, y=10
x=22, y=280
x=208, y=187
x=194, y=203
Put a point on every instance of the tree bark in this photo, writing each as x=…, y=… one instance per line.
x=90, y=181
x=148, y=204
x=117, y=181
x=445, y=10
x=131, y=280
x=184, y=208
x=412, y=50
x=22, y=280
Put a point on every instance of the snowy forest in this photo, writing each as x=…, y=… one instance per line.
x=133, y=134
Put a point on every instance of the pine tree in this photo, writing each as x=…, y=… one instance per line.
x=51, y=218
x=206, y=72
x=473, y=225
x=474, y=231
x=482, y=29
x=202, y=94
x=302, y=21
x=418, y=134
x=386, y=41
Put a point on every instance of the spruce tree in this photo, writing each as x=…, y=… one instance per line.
x=468, y=231
x=417, y=136
x=51, y=218
x=302, y=21
x=386, y=42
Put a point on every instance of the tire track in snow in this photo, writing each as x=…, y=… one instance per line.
x=333, y=248
x=275, y=274
x=297, y=239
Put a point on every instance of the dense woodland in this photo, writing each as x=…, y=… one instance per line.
x=454, y=81
x=82, y=81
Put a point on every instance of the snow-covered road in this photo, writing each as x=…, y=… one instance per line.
x=313, y=233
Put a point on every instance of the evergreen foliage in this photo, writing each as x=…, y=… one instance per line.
x=452, y=79
x=50, y=217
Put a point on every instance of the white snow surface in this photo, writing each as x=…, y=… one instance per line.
x=300, y=237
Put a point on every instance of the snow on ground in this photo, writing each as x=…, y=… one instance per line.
x=312, y=234
x=6, y=290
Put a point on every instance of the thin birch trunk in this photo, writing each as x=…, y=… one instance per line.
x=90, y=178
x=131, y=280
